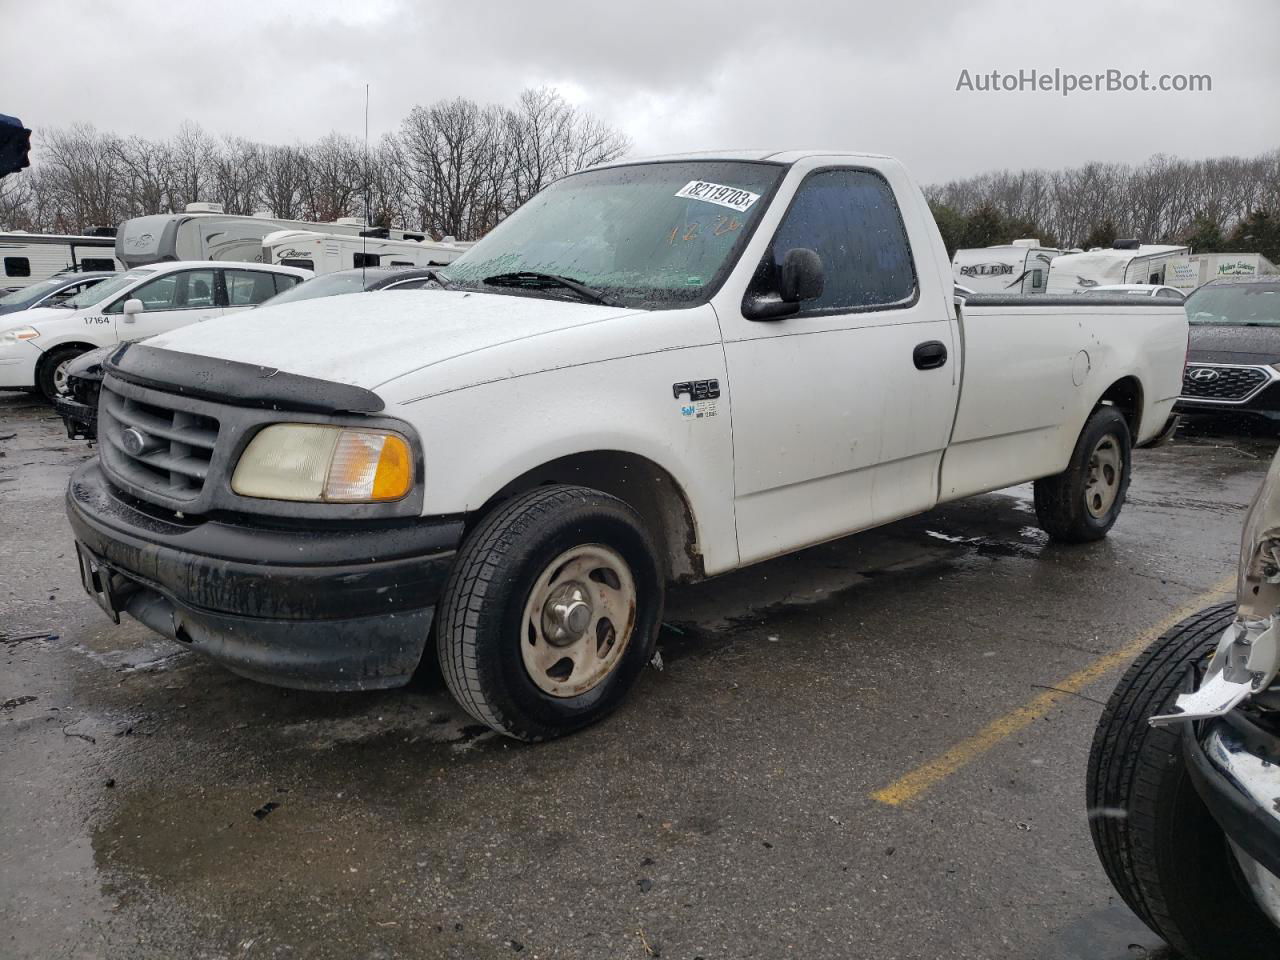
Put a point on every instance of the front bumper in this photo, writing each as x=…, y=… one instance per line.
x=311, y=606
x=1235, y=766
x=18, y=364
x=80, y=419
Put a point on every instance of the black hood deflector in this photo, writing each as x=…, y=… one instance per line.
x=236, y=383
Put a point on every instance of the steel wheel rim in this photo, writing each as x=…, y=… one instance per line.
x=1104, y=474
x=578, y=620
x=60, y=376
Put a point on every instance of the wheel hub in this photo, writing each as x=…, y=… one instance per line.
x=566, y=614
x=578, y=620
x=1104, y=474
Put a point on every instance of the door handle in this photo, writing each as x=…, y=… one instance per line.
x=929, y=355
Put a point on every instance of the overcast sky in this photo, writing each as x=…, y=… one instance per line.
x=697, y=74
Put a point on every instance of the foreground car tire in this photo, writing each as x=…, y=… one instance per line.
x=1082, y=503
x=551, y=612
x=1162, y=850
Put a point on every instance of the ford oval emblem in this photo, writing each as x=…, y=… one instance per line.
x=134, y=441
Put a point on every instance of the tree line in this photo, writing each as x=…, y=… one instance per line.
x=1223, y=203
x=452, y=168
x=457, y=167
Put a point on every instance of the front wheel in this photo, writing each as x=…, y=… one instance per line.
x=551, y=612
x=1082, y=503
x=1162, y=850
x=51, y=374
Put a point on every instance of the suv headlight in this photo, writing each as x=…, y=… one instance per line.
x=10, y=337
x=317, y=463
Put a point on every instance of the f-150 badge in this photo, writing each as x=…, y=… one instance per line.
x=700, y=397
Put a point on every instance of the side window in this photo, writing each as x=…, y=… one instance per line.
x=285, y=282
x=409, y=284
x=1172, y=295
x=1037, y=279
x=366, y=260
x=851, y=220
x=17, y=267
x=298, y=262
x=189, y=289
x=96, y=263
x=248, y=288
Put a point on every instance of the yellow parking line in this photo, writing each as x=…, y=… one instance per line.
x=912, y=785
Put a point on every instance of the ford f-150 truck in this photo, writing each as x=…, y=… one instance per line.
x=652, y=371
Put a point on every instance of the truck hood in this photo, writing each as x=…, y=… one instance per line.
x=368, y=339
x=1226, y=343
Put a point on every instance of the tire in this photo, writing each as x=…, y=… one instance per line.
x=47, y=371
x=1063, y=503
x=1161, y=848
x=489, y=637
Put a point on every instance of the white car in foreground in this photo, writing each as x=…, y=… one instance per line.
x=1184, y=778
x=652, y=371
x=37, y=345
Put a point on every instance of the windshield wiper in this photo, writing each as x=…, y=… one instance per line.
x=531, y=280
x=440, y=278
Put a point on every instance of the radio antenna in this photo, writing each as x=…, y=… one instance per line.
x=364, y=234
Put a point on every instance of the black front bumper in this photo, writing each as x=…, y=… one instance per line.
x=80, y=419
x=313, y=606
x=1249, y=816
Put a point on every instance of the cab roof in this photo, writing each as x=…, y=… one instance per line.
x=770, y=156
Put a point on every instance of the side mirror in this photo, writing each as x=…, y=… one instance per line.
x=801, y=275
x=132, y=306
x=800, y=279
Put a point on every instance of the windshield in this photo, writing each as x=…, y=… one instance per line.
x=100, y=291
x=327, y=286
x=32, y=293
x=653, y=235
x=1236, y=305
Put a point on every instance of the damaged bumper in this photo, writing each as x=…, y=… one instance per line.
x=1235, y=766
x=316, y=607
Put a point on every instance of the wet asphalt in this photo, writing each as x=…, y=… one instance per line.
x=154, y=805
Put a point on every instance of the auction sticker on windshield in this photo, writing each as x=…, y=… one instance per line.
x=732, y=197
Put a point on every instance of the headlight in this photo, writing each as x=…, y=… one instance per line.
x=316, y=463
x=10, y=337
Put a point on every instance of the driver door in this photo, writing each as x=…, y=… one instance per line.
x=841, y=412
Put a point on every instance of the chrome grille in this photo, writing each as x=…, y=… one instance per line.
x=156, y=447
x=1221, y=382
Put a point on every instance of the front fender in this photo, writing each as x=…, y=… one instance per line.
x=479, y=439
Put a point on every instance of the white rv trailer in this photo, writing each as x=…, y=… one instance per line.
x=1015, y=268
x=203, y=232
x=329, y=252
x=1128, y=261
x=27, y=258
x=1187, y=273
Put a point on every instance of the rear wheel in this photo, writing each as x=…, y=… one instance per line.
x=51, y=374
x=1082, y=503
x=1162, y=850
x=551, y=612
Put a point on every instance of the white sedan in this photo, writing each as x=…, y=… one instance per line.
x=1139, y=290
x=36, y=348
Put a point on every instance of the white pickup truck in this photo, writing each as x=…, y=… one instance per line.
x=652, y=371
